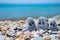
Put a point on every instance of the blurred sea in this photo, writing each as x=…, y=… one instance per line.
x=28, y=10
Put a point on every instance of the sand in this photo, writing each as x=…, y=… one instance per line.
x=17, y=22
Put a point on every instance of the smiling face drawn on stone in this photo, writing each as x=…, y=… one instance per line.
x=42, y=23
x=53, y=25
x=31, y=24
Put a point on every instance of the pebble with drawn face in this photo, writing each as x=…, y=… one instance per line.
x=53, y=25
x=30, y=24
x=42, y=23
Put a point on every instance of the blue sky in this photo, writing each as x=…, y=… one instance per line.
x=29, y=1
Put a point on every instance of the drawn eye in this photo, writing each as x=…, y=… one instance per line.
x=43, y=23
x=30, y=24
x=51, y=24
x=39, y=23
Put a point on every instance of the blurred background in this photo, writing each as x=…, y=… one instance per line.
x=29, y=8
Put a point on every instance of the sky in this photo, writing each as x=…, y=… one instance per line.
x=29, y=1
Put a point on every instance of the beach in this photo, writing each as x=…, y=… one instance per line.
x=6, y=24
